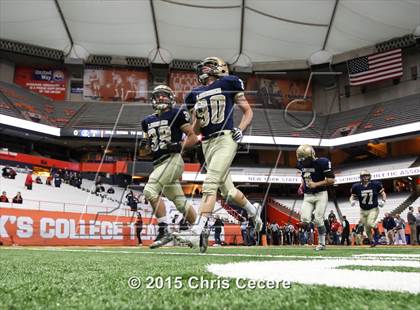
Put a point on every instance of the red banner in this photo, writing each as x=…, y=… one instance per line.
x=271, y=93
x=47, y=82
x=182, y=82
x=38, y=227
x=115, y=84
x=33, y=227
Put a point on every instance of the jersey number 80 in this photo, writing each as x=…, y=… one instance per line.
x=217, y=104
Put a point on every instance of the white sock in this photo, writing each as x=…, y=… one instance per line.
x=199, y=224
x=250, y=209
x=162, y=219
x=322, y=239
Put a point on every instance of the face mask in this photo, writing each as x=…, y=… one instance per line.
x=307, y=162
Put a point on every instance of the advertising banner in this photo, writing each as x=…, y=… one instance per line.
x=47, y=82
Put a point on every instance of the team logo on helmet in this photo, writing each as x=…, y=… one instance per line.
x=211, y=66
x=305, y=151
x=163, y=98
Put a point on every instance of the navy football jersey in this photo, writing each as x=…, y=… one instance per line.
x=164, y=128
x=213, y=104
x=316, y=172
x=367, y=195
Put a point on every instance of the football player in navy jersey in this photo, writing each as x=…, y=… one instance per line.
x=317, y=175
x=212, y=104
x=367, y=193
x=163, y=132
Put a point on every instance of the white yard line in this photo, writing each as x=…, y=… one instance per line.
x=368, y=257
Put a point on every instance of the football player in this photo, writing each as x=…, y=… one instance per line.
x=163, y=132
x=317, y=175
x=367, y=192
x=212, y=104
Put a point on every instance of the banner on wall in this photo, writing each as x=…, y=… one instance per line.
x=115, y=85
x=53, y=228
x=182, y=82
x=273, y=93
x=47, y=82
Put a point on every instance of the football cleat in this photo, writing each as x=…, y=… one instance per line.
x=372, y=244
x=165, y=239
x=258, y=223
x=188, y=238
x=320, y=247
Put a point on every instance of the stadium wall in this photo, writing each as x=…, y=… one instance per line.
x=7, y=71
x=326, y=100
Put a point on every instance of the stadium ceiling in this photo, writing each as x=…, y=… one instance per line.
x=241, y=31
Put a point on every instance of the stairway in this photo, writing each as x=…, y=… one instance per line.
x=405, y=204
x=232, y=212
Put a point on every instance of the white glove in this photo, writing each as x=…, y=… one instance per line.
x=381, y=203
x=237, y=134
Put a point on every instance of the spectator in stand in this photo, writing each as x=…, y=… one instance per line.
x=345, y=235
x=49, y=179
x=218, y=224
x=29, y=181
x=8, y=173
x=139, y=228
x=57, y=180
x=399, y=230
x=418, y=225
x=3, y=197
x=110, y=190
x=411, y=220
x=18, y=198
x=359, y=233
x=38, y=180
x=335, y=226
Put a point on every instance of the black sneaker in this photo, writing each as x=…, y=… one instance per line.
x=164, y=239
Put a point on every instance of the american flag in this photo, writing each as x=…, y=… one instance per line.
x=376, y=67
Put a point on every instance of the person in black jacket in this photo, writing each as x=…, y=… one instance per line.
x=218, y=230
x=389, y=225
x=345, y=235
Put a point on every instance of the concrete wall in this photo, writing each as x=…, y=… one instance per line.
x=7, y=71
x=327, y=101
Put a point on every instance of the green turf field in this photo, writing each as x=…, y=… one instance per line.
x=97, y=278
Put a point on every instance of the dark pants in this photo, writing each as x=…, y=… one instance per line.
x=418, y=234
x=276, y=238
x=138, y=232
x=345, y=237
x=244, y=237
x=217, y=236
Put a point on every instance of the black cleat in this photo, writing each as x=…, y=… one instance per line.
x=165, y=239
